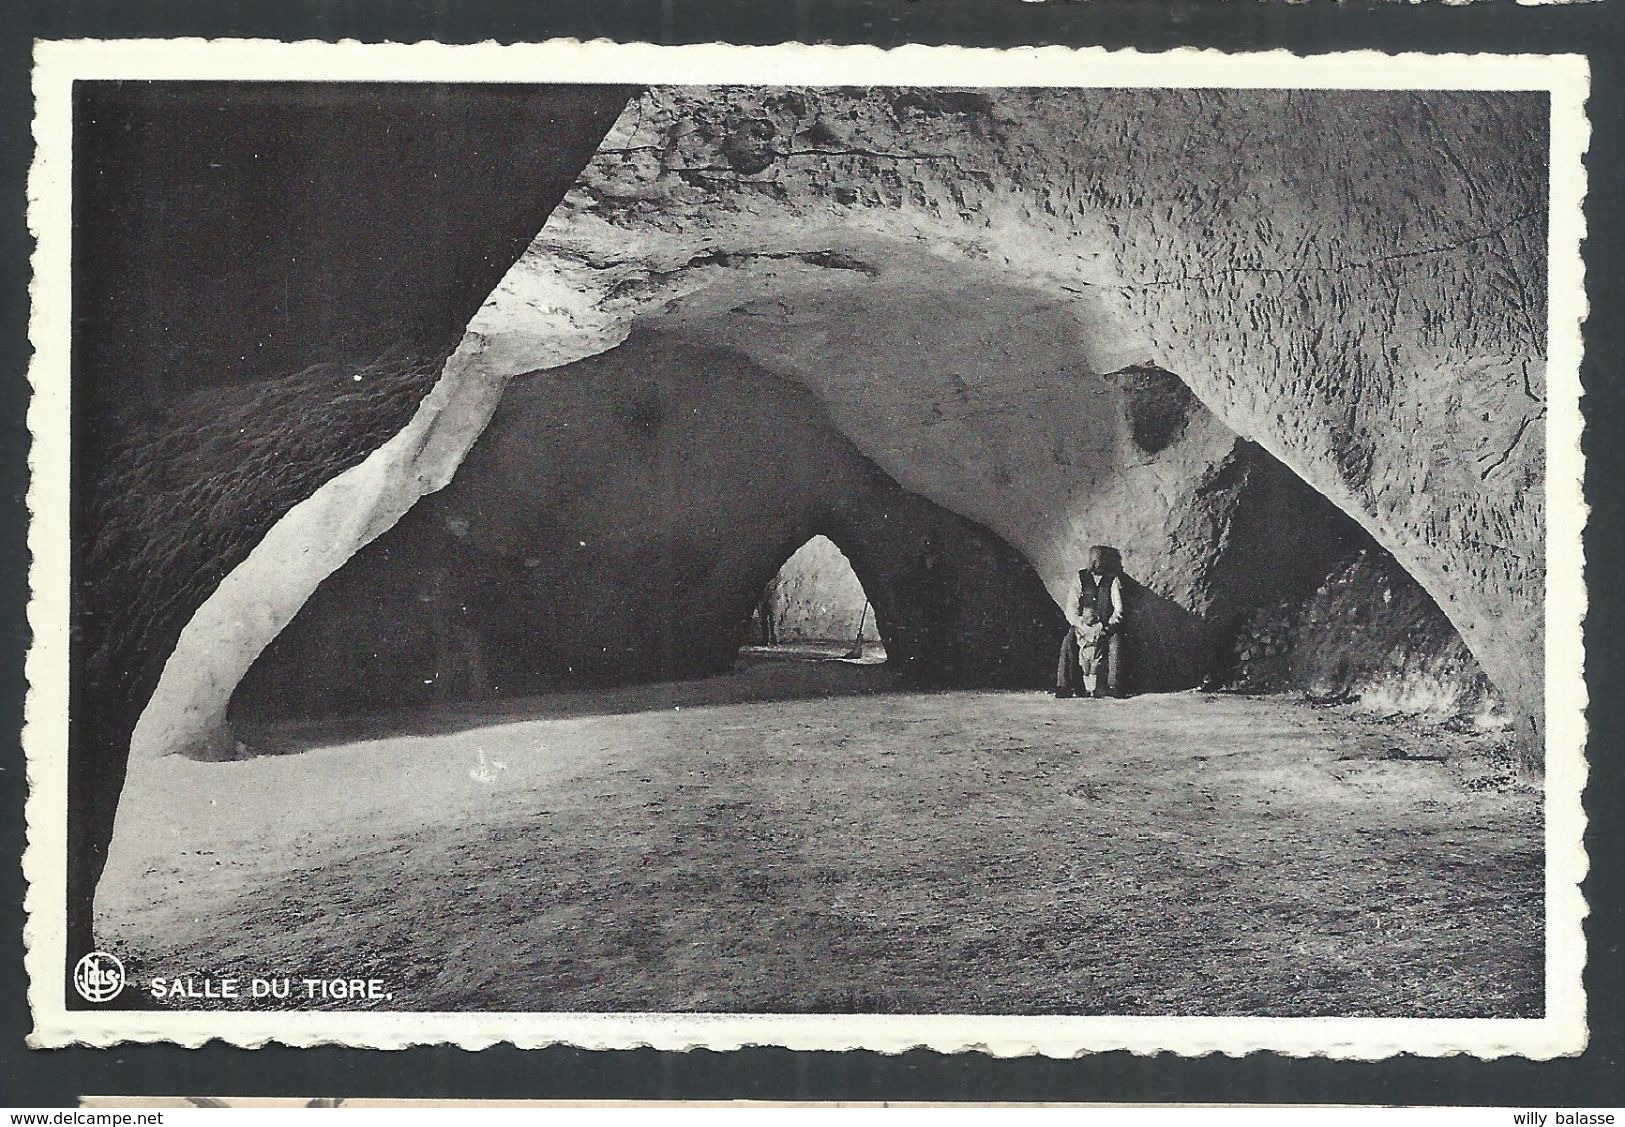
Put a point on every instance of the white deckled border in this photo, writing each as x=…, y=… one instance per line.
x=1566, y=510
x=1561, y=1031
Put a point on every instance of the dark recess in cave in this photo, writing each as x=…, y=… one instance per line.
x=648, y=556
x=1159, y=405
x=234, y=236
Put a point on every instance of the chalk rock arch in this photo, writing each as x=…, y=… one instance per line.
x=954, y=275
x=1371, y=312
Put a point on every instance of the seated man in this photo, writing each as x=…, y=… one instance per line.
x=1100, y=593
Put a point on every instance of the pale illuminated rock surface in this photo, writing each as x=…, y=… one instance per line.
x=1005, y=301
x=1363, y=295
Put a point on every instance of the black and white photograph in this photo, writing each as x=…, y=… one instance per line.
x=1039, y=550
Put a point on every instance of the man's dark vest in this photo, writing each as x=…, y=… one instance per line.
x=1095, y=592
x=1103, y=597
x=1110, y=565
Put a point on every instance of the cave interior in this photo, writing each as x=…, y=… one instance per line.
x=620, y=517
x=925, y=366
x=360, y=448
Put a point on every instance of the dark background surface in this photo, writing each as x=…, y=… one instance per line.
x=226, y=237
x=1596, y=1078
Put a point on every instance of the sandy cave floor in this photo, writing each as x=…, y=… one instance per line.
x=785, y=838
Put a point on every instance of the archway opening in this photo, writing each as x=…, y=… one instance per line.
x=637, y=517
x=815, y=608
x=612, y=531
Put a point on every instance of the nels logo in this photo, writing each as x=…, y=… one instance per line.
x=98, y=977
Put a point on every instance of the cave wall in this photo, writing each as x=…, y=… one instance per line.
x=617, y=521
x=943, y=271
x=620, y=516
x=267, y=280
x=253, y=314
x=231, y=231
x=1370, y=310
x=977, y=394
x=1368, y=635
x=956, y=306
x=817, y=597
